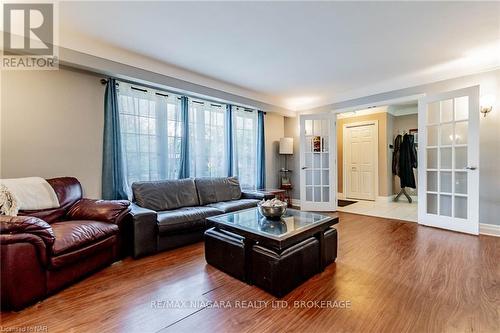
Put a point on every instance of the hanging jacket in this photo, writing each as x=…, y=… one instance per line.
x=407, y=161
x=395, y=154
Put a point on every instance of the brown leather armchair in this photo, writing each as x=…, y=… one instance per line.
x=43, y=251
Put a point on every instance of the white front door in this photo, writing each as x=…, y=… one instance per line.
x=360, y=156
x=318, y=151
x=448, y=152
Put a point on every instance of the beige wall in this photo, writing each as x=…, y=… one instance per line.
x=52, y=126
x=274, y=130
x=383, y=181
x=292, y=131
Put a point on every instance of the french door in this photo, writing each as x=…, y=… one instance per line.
x=318, y=151
x=448, y=187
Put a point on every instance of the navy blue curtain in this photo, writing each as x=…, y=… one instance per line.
x=229, y=140
x=113, y=176
x=261, y=152
x=184, y=163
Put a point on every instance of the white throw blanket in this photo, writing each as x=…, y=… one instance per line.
x=31, y=193
x=8, y=202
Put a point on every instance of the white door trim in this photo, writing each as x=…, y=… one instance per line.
x=376, y=152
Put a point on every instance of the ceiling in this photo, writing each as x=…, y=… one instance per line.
x=296, y=55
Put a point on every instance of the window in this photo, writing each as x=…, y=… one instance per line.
x=245, y=146
x=150, y=125
x=207, y=147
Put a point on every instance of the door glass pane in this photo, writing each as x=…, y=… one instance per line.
x=431, y=203
x=309, y=193
x=309, y=144
x=317, y=127
x=309, y=127
x=445, y=182
x=308, y=160
x=462, y=108
x=324, y=143
x=447, y=110
x=326, y=177
x=460, y=157
x=461, y=207
x=325, y=161
x=445, y=158
x=432, y=181
x=446, y=134
x=309, y=177
x=432, y=135
x=461, y=182
x=326, y=194
x=316, y=160
x=433, y=113
x=317, y=177
x=461, y=132
x=317, y=193
x=445, y=205
x=432, y=159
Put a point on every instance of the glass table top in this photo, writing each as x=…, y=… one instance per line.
x=292, y=222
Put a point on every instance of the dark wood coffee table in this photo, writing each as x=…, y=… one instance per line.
x=279, y=236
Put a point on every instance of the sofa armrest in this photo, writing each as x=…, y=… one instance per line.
x=10, y=225
x=256, y=195
x=111, y=211
x=145, y=230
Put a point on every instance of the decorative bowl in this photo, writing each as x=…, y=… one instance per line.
x=274, y=212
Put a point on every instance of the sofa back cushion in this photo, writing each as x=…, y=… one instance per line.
x=211, y=190
x=68, y=191
x=165, y=194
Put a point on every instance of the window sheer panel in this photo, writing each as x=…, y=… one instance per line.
x=207, y=144
x=150, y=128
x=245, y=147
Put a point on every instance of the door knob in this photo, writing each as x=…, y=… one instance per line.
x=470, y=168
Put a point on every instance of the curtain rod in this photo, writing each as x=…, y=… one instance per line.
x=104, y=81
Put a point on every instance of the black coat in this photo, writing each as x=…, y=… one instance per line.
x=407, y=161
x=395, y=154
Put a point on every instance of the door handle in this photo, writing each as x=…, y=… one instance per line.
x=470, y=168
x=303, y=168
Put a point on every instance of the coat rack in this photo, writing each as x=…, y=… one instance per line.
x=402, y=191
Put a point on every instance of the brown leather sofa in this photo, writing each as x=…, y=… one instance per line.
x=43, y=251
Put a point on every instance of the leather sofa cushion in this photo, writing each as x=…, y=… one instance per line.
x=80, y=254
x=234, y=205
x=184, y=218
x=165, y=194
x=212, y=190
x=72, y=235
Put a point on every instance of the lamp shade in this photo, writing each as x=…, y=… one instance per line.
x=286, y=146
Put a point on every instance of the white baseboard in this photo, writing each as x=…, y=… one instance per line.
x=489, y=229
x=340, y=196
x=296, y=202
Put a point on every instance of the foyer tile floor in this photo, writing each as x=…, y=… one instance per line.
x=401, y=210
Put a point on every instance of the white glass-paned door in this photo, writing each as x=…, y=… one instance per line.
x=318, y=168
x=449, y=159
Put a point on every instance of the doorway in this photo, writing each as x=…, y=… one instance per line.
x=365, y=157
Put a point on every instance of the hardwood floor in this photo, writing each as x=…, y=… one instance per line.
x=394, y=277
